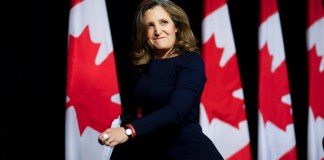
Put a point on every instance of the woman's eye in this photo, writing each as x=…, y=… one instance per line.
x=164, y=22
x=149, y=25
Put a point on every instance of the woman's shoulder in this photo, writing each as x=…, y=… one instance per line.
x=191, y=58
x=191, y=66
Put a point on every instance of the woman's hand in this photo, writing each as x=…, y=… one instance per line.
x=113, y=136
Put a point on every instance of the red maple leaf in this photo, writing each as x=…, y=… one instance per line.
x=221, y=82
x=212, y=5
x=316, y=84
x=75, y=2
x=90, y=87
x=272, y=87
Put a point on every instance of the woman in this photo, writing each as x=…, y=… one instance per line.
x=170, y=82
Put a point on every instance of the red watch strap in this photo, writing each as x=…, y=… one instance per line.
x=130, y=126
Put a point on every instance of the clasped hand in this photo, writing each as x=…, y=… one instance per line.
x=112, y=137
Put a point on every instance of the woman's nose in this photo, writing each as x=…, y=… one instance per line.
x=157, y=31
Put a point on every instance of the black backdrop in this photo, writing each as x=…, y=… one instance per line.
x=33, y=68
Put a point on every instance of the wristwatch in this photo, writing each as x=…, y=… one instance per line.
x=128, y=131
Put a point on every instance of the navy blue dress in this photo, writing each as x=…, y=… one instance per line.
x=168, y=92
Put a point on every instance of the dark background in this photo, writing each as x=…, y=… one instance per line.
x=33, y=57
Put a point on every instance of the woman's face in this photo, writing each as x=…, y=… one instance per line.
x=161, y=31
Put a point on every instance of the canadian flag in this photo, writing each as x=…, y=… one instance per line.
x=315, y=47
x=276, y=135
x=93, y=100
x=222, y=110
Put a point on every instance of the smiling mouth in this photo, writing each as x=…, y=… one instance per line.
x=159, y=38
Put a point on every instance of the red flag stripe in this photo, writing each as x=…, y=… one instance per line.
x=222, y=104
x=276, y=137
x=93, y=100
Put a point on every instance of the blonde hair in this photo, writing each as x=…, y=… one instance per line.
x=185, y=39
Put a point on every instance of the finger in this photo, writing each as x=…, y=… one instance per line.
x=101, y=141
x=108, y=142
x=105, y=136
x=102, y=138
x=112, y=144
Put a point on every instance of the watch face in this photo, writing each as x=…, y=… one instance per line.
x=128, y=131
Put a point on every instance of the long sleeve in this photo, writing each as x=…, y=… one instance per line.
x=183, y=102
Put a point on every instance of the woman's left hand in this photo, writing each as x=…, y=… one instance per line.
x=113, y=136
